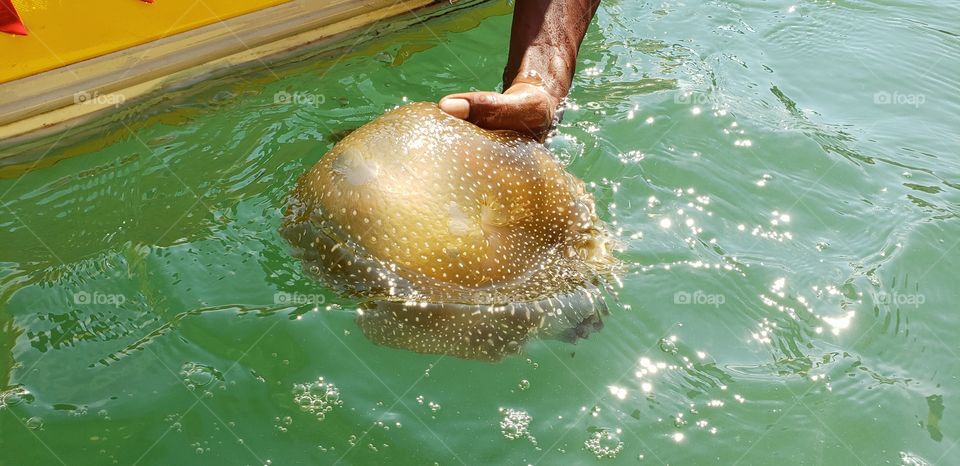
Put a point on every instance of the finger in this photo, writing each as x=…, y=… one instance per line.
x=492, y=110
x=455, y=106
x=480, y=108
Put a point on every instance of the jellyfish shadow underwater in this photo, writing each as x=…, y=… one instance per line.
x=457, y=240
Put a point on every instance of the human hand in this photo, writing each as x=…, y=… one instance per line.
x=525, y=108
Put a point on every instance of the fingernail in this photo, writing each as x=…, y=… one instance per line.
x=459, y=108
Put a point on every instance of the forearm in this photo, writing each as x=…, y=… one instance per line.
x=544, y=40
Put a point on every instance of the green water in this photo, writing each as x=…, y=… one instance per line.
x=784, y=180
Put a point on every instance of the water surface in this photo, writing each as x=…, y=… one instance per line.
x=783, y=178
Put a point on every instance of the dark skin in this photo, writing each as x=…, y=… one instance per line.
x=544, y=41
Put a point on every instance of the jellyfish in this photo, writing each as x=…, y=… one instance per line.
x=457, y=240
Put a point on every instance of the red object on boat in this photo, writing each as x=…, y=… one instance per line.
x=147, y=1
x=10, y=20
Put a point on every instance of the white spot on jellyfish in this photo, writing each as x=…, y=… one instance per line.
x=354, y=168
x=459, y=223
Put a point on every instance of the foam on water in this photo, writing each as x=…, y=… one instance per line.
x=318, y=398
x=604, y=443
x=515, y=424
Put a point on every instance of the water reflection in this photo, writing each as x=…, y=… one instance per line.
x=465, y=332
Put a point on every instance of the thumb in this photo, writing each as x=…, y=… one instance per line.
x=480, y=108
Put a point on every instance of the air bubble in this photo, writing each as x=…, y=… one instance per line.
x=282, y=424
x=199, y=375
x=14, y=396
x=317, y=398
x=515, y=424
x=668, y=345
x=604, y=444
x=34, y=423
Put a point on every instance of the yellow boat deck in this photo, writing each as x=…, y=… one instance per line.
x=76, y=57
x=61, y=33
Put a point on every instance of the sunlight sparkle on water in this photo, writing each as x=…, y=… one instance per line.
x=618, y=392
x=839, y=323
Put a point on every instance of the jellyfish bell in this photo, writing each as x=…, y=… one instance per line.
x=459, y=240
